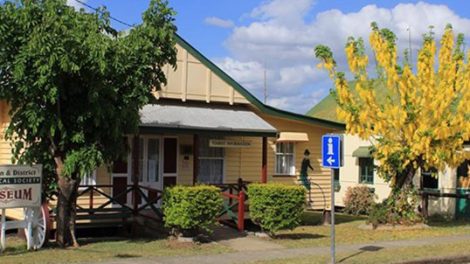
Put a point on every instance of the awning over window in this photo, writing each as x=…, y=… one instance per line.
x=292, y=137
x=197, y=118
x=362, y=152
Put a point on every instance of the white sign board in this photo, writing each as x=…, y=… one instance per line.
x=225, y=143
x=20, y=186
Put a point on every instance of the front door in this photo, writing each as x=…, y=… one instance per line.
x=150, y=165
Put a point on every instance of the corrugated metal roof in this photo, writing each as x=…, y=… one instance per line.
x=203, y=118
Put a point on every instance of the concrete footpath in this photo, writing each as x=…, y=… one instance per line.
x=255, y=249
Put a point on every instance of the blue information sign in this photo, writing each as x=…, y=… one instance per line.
x=331, y=151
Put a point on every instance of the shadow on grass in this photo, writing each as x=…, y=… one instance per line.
x=316, y=217
x=361, y=250
x=439, y=221
x=125, y=256
x=298, y=236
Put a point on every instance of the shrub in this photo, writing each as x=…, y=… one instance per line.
x=191, y=208
x=276, y=206
x=399, y=208
x=358, y=200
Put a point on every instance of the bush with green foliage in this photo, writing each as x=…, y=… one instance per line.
x=188, y=209
x=396, y=210
x=358, y=200
x=276, y=206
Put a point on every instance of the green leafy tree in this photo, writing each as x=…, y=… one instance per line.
x=75, y=87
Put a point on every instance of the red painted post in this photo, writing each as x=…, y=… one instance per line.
x=241, y=211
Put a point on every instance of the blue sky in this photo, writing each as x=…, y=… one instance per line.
x=247, y=37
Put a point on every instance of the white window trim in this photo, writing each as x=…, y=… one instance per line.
x=293, y=169
x=92, y=179
x=360, y=171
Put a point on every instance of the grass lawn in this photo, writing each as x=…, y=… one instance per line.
x=348, y=232
x=99, y=250
x=394, y=255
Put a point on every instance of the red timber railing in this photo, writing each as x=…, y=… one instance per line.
x=234, y=207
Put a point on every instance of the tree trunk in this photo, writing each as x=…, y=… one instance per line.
x=405, y=179
x=66, y=207
x=402, y=203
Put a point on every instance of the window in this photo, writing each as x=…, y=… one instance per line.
x=211, y=162
x=463, y=169
x=463, y=181
x=366, y=170
x=149, y=160
x=153, y=160
x=285, y=162
x=89, y=179
x=429, y=179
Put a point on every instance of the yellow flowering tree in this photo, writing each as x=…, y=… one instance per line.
x=425, y=119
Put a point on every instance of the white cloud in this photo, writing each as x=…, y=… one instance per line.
x=219, y=22
x=280, y=35
x=75, y=4
x=283, y=11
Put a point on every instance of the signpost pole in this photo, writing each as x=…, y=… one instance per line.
x=332, y=217
x=332, y=158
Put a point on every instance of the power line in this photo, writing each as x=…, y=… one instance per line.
x=99, y=11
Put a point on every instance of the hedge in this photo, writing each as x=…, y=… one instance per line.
x=276, y=206
x=191, y=208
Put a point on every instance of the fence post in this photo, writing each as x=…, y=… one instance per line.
x=425, y=205
x=91, y=198
x=241, y=211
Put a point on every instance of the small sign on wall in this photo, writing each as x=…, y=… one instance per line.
x=225, y=143
x=20, y=186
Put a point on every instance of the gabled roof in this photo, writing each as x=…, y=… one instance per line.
x=326, y=108
x=252, y=99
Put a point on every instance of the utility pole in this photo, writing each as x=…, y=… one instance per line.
x=409, y=45
x=265, y=84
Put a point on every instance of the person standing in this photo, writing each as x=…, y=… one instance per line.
x=304, y=173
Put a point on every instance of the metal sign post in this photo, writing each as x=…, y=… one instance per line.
x=332, y=206
x=331, y=158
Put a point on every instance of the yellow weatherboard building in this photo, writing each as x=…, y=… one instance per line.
x=204, y=127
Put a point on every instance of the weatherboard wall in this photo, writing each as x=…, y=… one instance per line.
x=5, y=148
x=192, y=80
x=321, y=176
x=349, y=172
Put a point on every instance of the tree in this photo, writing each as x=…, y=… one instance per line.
x=425, y=119
x=75, y=87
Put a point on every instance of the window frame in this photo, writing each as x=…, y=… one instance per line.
x=207, y=157
x=364, y=179
x=290, y=171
